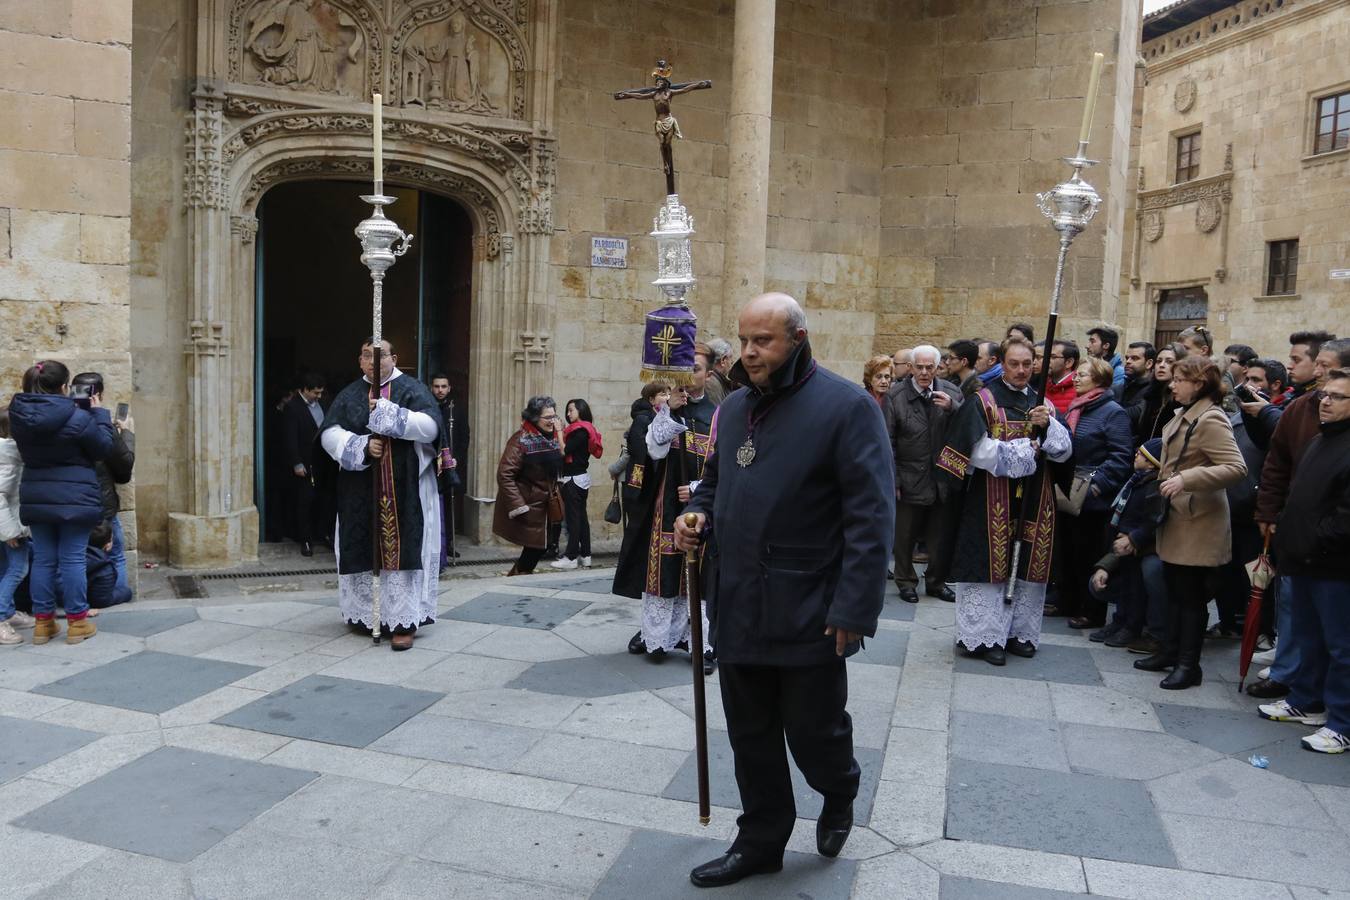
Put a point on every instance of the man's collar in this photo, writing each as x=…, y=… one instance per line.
x=1024, y=390
x=699, y=398
x=793, y=369
x=392, y=375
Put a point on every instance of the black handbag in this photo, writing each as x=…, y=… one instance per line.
x=614, y=511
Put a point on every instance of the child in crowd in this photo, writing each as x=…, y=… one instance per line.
x=104, y=591
x=1132, y=560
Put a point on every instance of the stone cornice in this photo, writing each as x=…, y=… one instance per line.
x=1209, y=46
x=1218, y=187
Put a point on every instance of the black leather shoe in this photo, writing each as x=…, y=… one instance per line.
x=1182, y=677
x=1268, y=689
x=1158, y=662
x=1019, y=647
x=1144, y=644
x=943, y=593
x=1101, y=634
x=833, y=831
x=306, y=549
x=709, y=665
x=909, y=595
x=730, y=869
x=1122, y=638
x=636, y=645
x=996, y=656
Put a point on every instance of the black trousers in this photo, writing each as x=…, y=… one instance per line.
x=806, y=704
x=303, y=495
x=1085, y=541
x=578, y=526
x=932, y=524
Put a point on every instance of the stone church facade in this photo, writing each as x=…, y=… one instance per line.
x=878, y=159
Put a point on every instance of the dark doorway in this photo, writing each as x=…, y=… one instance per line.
x=313, y=309
x=1179, y=309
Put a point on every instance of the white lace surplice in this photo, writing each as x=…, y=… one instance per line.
x=984, y=620
x=665, y=622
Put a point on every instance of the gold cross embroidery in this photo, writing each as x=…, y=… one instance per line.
x=666, y=341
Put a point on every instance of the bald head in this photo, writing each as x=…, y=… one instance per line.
x=771, y=326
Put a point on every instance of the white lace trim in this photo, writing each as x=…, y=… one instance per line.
x=665, y=622
x=388, y=418
x=353, y=458
x=984, y=620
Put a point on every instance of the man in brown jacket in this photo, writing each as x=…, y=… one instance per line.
x=1297, y=427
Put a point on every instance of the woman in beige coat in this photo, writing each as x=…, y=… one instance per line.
x=1200, y=460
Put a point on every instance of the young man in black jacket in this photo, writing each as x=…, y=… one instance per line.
x=1312, y=536
x=114, y=470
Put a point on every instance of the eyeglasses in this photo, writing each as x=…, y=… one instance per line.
x=1334, y=398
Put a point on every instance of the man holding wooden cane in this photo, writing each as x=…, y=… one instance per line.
x=800, y=495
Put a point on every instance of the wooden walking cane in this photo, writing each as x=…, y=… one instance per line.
x=696, y=648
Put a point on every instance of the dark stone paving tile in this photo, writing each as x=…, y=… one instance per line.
x=332, y=710
x=1224, y=730
x=1060, y=625
x=722, y=788
x=1082, y=815
x=1065, y=665
x=512, y=609
x=148, y=681
x=145, y=622
x=953, y=888
x=896, y=609
x=1288, y=758
x=601, y=584
x=886, y=649
x=603, y=676
x=171, y=803
x=25, y=745
x=655, y=866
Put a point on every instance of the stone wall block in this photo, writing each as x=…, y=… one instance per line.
x=964, y=271
x=65, y=68
x=39, y=235
x=983, y=117
x=105, y=239
x=38, y=123
x=995, y=146
x=102, y=129
x=1070, y=18
x=77, y=184
x=1016, y=84
x=44, y=17
x=101, y=20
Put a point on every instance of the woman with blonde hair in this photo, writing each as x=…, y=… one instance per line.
x=877, y=376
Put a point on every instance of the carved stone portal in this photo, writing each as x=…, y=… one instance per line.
x=455, y=65
x=308, y=45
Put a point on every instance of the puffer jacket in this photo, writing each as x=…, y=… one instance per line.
x=59, y=441
x=11, y=470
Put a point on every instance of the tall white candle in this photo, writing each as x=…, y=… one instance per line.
x=1091, y=104
x=378, y=128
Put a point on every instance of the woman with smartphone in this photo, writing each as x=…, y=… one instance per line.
x=60, y=438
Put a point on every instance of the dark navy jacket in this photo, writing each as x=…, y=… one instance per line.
x=1104, y=442
x=59, y=442
x=803, y=534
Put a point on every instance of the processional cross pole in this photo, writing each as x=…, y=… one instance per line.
x=666, y=127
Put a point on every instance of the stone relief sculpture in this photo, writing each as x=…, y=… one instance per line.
x=293, y=48
x=452, y=72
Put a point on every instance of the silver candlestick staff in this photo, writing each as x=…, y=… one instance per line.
x=379, y=236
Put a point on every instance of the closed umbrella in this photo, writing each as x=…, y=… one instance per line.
x=1260, y=571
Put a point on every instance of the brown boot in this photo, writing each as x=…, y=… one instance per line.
x=79, y=629
x=44, y=630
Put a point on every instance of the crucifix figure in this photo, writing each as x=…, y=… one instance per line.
x=667, y=129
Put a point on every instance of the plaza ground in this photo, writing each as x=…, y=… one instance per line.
x=248, y=745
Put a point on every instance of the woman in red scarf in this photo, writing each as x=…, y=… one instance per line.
x=580, y=442
x=526, y=475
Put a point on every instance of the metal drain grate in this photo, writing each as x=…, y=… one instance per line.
x=301, y=573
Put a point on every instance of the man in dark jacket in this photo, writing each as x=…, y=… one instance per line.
x=917, y=411
x=800, y=496
x=114, y=470
x=1139, y=393
x=1314, y=531
x=961, y=361
x=300, y=420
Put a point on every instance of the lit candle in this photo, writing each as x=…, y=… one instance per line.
x=378, y=128
x=1091, y=104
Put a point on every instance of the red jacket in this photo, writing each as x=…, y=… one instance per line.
x=1297, y=427
x=1061, y=393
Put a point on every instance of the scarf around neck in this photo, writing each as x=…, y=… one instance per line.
x=1076, y=407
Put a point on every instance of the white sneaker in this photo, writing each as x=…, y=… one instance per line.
x=564, y=563
x=8, y=635
x=21, y=620
x=1281, y=711
x=1264, y=673
x=585, y=562
x=1324, y=740
x=1265, y=657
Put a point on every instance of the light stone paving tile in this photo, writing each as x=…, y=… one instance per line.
x=1336, y=801
x=597, y=639
x=23, y=705
x=1234, y=789
x=196, y=637
x=209, y=707
x=461, y=672
x=380, y=665
x=36, y=860
x=935, y=615
x=347, y=762
x=1311, y=893
x=255, y=863
x=506, y=788
x=871, y=683
x=464, y=741
x=600, y=763
x=636, y=718
x=264, y=648
x=895, y=876
x=917, y=755
x=1302, y=856
x=1021, y=697
x=420, y=879
x=98, y=758
x=361, y=815
x=224, y=740
x=105, y=719
x=117, y=873
x=23, y=795
x=611, y=611
x=1144, y=685
x=871, y=723
x=673, y=816
x=507, y=706
x=528, y=644
x=929, y=710
x=1010, y=741
x=24, y=671
x=909, y=813
x=682, y=698
x=452, y=635
x=348, y=645
x=1086, y=705
x=104, y=647
x=1135, y=882
x=1031, y=868
x=285, y=673
x=539, y=846
x=863, y=843
x=319, y=620
x=262, y=614
x=1135, y=755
